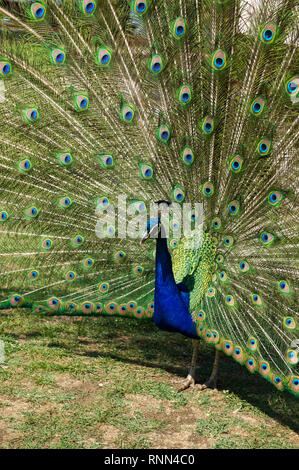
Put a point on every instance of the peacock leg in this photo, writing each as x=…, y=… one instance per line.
x=212, y=381
x=190, y=379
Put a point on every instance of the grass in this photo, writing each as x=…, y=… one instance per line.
x=74, y=382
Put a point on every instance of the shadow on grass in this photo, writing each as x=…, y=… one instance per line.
x=143, y=344
x=130, y=341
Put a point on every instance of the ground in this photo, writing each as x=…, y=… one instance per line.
x=75, y=382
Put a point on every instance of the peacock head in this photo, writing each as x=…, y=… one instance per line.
x=153, y=226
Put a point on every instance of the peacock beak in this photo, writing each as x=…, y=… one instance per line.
x=145, y=236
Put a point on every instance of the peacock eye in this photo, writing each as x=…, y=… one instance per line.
x=257, y=106
x=229, y=241
x=220, y=259
x=178, y=28
x=174, y=224
x=111, y=307
x=87, y=307
x=33, y=275
x=88, y=7
x=236, y=163
x=65, y=202
x=104, y=287
x=268, y=33
x=156, y=64
x=138, y=270
x=47, y=244
x=201, y=315
x=227, y=347
x=264, y=146
x=104, y=56
x=5, y=68
x=32, y=212
x=140, y=7
x=178, y=194
x=275, y=198
x=244, y=266
x=211, y=292
x=77, y=241
x=70, y=276
x=207, y=125
x=256, y=299
x=264, y=368
x=234, y=208
x=292, y=85
x=81, y=102
x=267, y=238
x=25, y=166
x=253, y=344
x=187, y=156
x=208, y=189
x=284, y=287
x=289, y=323
x=216, y=223
x=146, y=171
x=54, y=303
x=230, y=300
x=106, y=161
x=120, y=255
x=16, y=300
x=163, y=133
x=30, y=115
x=127, y=113
x=38, y=10
x=57, y=56
x=173, y=243
x=218, y=60
x=65, y=159
x=184, y=94
x=3, y=216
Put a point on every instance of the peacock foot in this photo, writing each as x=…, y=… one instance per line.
x=189, y=382
x=210, y=383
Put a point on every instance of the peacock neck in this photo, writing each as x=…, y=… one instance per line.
x=171, y=299
x=164, y=273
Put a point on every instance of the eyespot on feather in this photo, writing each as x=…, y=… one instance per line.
x=264, y=147
x=156, y=64
x=5, y=68
x=178, y=28
x=178, y=194
x=4, y=216
x=127, y=113
x=268, y=33
x=163, y=133
x=38, y=11
x=57, y=56
x=140, y=7
x=207, y=189
x=103, y=57
x=88, y=7
x=219, y=60
x=184, y=95
x=236, y=163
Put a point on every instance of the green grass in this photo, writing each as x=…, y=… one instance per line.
x=74, y=382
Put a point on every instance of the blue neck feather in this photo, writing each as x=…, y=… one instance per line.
x=171, y=299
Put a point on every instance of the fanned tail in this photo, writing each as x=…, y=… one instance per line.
x=185, y=101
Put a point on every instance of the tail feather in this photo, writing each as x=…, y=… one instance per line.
x=177, y=101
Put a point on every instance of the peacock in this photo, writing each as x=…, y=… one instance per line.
x=148, y=169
